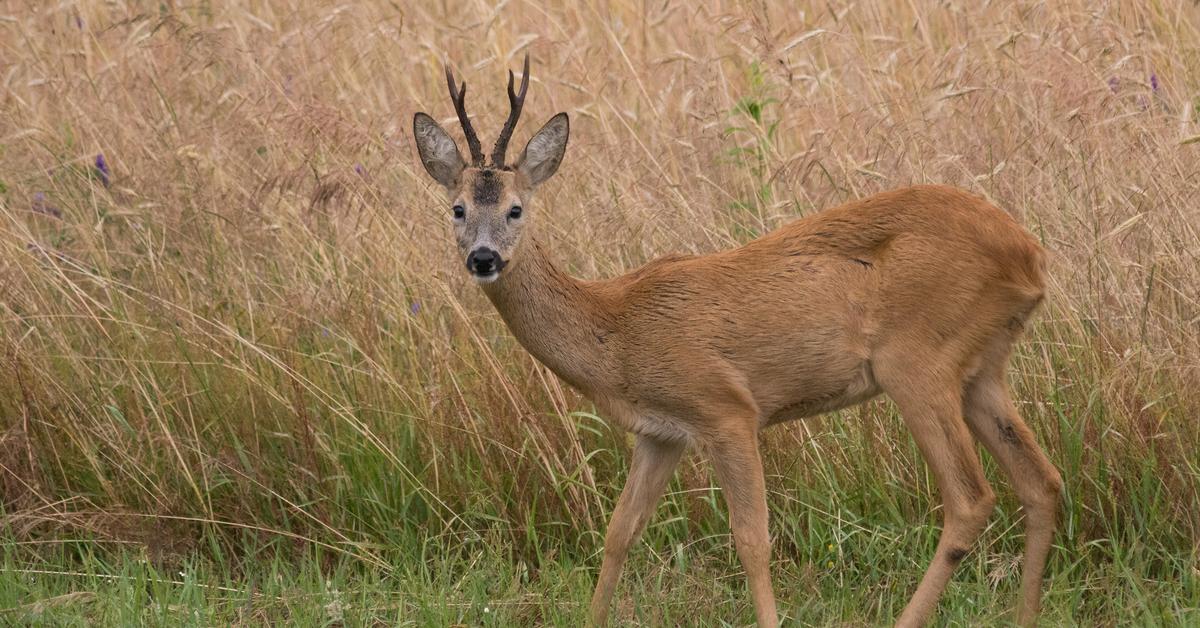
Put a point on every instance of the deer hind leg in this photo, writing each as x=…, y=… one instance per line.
x=738, y=467
x=994, y=420
x=653, y=464
x=931, y=405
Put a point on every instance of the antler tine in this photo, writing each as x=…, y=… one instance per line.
x=515, y=102
x=459, y=98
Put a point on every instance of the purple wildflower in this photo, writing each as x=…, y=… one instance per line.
x=1154, y=81
x=39, y=206
x=415, y=307
x=1113, y=83
x=362, y=172
x=46, y=253
x=102, y=170
x=78, y=22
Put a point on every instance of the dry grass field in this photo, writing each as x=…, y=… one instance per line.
x=244, y=378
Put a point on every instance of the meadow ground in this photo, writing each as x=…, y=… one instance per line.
x=245, y=380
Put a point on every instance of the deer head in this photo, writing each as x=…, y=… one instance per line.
x=490, y=202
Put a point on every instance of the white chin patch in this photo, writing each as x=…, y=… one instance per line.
x=488, y=278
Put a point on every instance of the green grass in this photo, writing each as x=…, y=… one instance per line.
x=850, y=544
x=835, y=563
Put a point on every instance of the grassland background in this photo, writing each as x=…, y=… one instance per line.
x=245, y=380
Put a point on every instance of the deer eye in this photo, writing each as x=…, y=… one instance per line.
x=459, y=212
x=515, y=212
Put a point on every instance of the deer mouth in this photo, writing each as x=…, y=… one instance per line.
x=486, y=277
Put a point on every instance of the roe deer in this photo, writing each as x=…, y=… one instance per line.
x=919, y=293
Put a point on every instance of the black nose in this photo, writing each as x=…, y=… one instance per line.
x=483, y=261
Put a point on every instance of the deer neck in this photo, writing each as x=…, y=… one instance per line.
x=560, y=320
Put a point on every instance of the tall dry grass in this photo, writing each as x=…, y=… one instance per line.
x=254, y=324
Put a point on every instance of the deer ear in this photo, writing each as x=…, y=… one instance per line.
x=439, y=153
x=545, y=150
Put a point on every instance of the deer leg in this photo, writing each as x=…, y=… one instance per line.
x=653, y=464
x=739, y=471
x=993, y=419
x=933, y=413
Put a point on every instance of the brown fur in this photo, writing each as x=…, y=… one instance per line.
x=710, y=349
x=918, y=293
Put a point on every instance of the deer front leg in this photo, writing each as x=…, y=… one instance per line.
x=739, y=471
x=654, y=462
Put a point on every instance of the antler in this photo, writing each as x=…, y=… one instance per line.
x=515, y=101
x=459, y=97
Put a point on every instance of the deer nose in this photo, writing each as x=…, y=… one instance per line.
x=484, y=261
